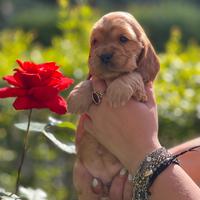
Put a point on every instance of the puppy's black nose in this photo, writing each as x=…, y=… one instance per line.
x=105, y=58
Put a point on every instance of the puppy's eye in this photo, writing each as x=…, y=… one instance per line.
x=94, y=42
x=123, y=39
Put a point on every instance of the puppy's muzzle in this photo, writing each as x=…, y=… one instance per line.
x=106, y=58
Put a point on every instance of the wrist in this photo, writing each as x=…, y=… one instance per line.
x=134, y=161
x=150, y=168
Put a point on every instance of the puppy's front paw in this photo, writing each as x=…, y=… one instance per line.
x=118, y=93
x=80, y=98
x=140, y=95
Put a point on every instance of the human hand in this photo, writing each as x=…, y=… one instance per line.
x=89, y=188
x=129, y=132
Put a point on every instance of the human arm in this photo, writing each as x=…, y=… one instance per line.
x=121, y=188
x=190, y=161
x=131, y=136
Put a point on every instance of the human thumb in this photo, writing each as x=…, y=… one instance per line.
x=151, y=102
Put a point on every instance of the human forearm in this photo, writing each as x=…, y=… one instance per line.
x=174, y=184
x=185, y=146
x=190, y=161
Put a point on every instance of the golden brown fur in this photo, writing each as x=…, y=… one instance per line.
x=120, y=52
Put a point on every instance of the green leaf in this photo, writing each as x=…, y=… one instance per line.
x=34, y=126
x=69, y=125
x=32, y=194
x=68, y=148
x=42, y=128
x=55, y=122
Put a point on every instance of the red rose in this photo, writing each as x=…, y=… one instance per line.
x=37, y=86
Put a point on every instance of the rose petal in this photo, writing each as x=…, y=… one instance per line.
x=43, y=93
x=18, y=79
x=54, y=79
x=11, y=80
x=57, y=74
x=57, y=105
x=64, y=83
x=29, y=80
x=24, y=103
x=27, y=66
x=12, y=92
x=60, y=83
x=49, y=74
x=48, y=66
x=30, y=67
x=20, y=63
x=45, y=75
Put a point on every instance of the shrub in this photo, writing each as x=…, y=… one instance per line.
x=158, y=19
x=178, y=90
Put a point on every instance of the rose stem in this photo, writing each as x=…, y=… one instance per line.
x=25, y=147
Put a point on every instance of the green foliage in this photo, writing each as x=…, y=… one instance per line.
x=177, y=91
x=158, y=19
x=156, y=16
x=43, y=128
x=13, y=45
x=35, y=15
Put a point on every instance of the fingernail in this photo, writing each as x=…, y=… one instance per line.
x=130, y=177
x=95, y=182
x=122, y=172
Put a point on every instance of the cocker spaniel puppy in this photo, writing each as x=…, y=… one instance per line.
x=120, y=53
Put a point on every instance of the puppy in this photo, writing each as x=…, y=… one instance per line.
x=120, y=53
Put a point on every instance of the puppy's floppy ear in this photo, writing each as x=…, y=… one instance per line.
x=148, y=62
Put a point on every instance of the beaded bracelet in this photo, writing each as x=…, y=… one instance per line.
x=153, y=164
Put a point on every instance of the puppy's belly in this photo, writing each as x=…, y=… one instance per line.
x=97, y=159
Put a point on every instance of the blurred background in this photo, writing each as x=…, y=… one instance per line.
x=50, y=30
